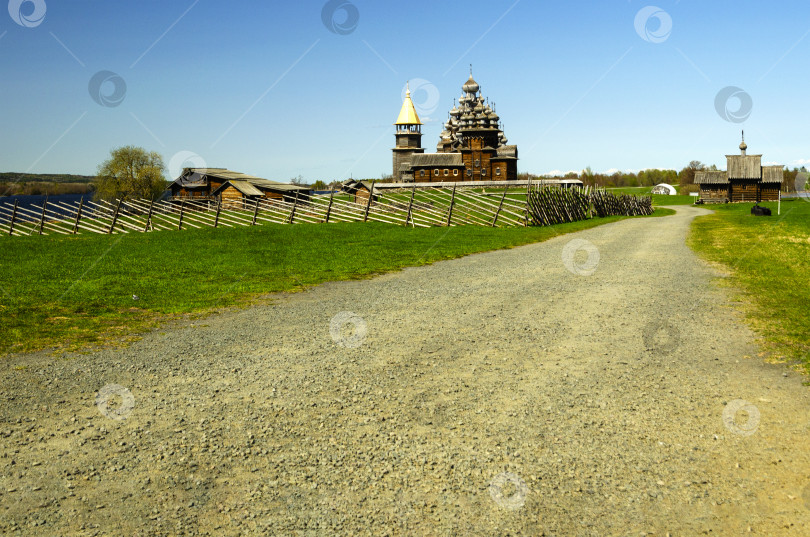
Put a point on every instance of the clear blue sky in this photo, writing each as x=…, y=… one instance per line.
x=266, y=88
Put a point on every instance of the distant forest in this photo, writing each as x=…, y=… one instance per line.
x=684, y=178
x=36, y=184
x=618, y=179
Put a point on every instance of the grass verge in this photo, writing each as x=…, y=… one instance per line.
x=660, y=199
x=74, y=292
x=769, y=260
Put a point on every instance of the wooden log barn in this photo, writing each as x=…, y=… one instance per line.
x=359, y=189
x=233, y=189
x=746, y=180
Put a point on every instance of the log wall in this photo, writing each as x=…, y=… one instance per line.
x=769, y=191
x=717, y=193
x=744, y=191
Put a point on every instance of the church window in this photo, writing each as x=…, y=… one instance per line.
x=484, y=171
x=446, y=173
x=455, y=172
x=421, y=173
x=436, y=172
x=469, y=172
x=497, y=171
x=477, y=163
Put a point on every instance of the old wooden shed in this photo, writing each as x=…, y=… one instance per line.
x=233, y=189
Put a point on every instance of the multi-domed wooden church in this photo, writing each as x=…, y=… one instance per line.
x=472, y=146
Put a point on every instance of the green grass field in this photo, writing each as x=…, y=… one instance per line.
x=658, y=199
x=71, y=292
x=769, y=261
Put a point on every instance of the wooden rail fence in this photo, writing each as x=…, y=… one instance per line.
x=417, y=207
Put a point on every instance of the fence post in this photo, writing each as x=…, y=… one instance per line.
x=368, y=205
x=452, y=201
x=255, y=213
x=42, y=218
x=219, y=207
x=13, y=217
x=410, y=206
x=528, y=193
x=149, y=217
x=180, y=223
x=295, y=206
x=329, y=209
x=115, y=217
x=500, y=206
x=78, y=216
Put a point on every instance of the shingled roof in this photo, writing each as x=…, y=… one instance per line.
x=197, y=177
x=507, y=151
x=744, y=166
x=773, y=174
x=436, y=160
x=711, y=178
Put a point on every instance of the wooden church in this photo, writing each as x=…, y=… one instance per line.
x=746, y=180
x=472, y=146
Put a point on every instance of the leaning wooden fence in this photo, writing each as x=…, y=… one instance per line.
x=418, y=207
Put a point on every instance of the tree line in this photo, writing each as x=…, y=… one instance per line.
x=685, y=178
x=44, y=188
x=14, y=177
x=649, y=178
x=134, y=173
x=36, y=184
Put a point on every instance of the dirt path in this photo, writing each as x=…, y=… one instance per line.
x=499, y=394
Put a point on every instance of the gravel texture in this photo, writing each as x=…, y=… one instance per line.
x=599, y=389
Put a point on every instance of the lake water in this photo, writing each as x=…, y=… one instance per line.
x=34, y=203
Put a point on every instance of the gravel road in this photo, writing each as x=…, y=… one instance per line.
x=600, y=387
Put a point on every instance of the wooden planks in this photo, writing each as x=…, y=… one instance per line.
x=443, y=205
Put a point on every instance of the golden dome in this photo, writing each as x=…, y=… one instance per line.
x=408, y=115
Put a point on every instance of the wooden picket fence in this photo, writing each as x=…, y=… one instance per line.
x=418, y=207
x=608, y=204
